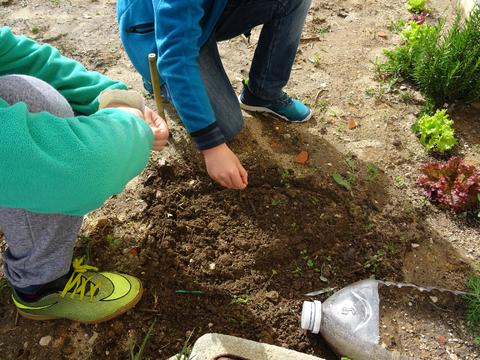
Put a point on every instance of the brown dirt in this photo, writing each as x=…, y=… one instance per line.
x=255, y=253
x=408, y=317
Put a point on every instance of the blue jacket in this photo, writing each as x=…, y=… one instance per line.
x=175, y=30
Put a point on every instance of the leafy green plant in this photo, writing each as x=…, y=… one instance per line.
x=444, y=64
x=401, y=61
x=373, y=262
x=240, y=299
x=297, y=271
x=436, y=132
x=112, y=240
x=473, y=303
x=373, y=171
x=285, y=178
x=453, y=184
x=312, y=264
x=340, y=180
x=397, y=25
x=399, y=182
x=273, y=274
x=417, y=6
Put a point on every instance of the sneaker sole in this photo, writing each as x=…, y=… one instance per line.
x=119, y=312
x=261, y=109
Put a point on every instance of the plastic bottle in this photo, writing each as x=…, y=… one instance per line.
x=349, y=321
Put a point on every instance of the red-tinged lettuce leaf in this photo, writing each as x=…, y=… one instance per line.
x=453, y=184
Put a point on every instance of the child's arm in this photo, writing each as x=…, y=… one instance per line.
x=56, y=165
x=69, y=166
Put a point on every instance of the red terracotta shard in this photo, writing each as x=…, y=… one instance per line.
x=301, y=157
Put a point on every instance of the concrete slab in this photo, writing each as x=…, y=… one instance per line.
x=210, y=346
x=468, y=5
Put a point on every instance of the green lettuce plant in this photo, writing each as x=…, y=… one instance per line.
x=416, y=6
x=436, y=132
x=415, y=34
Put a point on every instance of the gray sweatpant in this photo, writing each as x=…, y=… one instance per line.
x=39, y=246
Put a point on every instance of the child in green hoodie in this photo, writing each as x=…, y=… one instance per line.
x=61, y=157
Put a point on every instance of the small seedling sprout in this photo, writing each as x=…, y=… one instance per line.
x=143, y=346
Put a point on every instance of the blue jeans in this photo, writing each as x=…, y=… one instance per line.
x=272, y=63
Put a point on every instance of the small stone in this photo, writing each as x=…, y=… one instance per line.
x=352, y=124
x=93, y=338
x=210, y=325
x=441, y=339
x=415, y=245
x=287, y=136
x=272, y=296
x=101, y=222
x=434, y=299
x=382, y=34
x=44, y=341
x=211, y=266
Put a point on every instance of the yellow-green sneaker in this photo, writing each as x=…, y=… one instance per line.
x=88, y=297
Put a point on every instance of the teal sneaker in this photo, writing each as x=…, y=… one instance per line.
x=285, y=107
x=88, y=296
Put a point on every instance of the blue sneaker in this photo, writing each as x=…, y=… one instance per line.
x=285, y=107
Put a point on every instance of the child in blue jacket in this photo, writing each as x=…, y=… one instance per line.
x=183, y=33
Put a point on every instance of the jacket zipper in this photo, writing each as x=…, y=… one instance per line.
x=141, y=29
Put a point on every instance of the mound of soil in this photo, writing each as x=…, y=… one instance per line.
x=239, y=263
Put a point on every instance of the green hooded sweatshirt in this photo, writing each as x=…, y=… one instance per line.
x=64, y=165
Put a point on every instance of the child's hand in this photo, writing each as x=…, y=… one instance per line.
x=156, y=123
x=118, y=105
x=159, y=128
x=224, y=167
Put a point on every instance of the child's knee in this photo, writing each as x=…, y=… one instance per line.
x=235, y=125
x=37, y=94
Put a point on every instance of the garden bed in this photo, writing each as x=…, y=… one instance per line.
x=254, y=254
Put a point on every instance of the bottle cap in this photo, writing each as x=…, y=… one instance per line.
x=312, y=316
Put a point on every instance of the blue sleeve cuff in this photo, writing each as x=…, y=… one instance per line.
x=208, y=137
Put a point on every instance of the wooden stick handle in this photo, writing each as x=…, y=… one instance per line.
x=157, y=94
